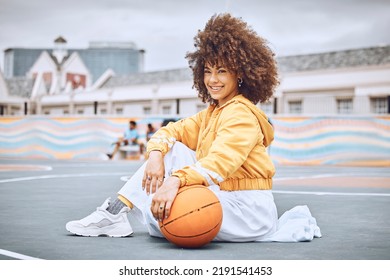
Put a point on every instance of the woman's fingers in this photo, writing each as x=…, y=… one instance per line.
x=158, y=210
x=154, y=208
x=167, y=209
x=156, y=183
x=146, y=182
x=164, y=197
x=150, y=184
x=153, y=186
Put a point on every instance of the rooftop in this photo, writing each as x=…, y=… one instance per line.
x=335, y=59
x=286, y=64
x=297, y=63
x=156, y=77
x=20, y=86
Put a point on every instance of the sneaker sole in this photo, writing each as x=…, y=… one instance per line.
x=96, y=232
x=101, y=235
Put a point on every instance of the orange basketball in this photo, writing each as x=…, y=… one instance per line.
x=195, y=218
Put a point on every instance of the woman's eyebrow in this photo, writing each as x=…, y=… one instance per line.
x=217, y=67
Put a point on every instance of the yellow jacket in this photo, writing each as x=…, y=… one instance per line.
x=230, y=143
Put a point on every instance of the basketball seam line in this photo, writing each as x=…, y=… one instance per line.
x=191, y=236
x=186, y=214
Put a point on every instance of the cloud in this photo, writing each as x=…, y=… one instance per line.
x=165, y=29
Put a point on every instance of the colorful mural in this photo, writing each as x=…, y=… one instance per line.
x=332, y=140
x=306, y=140
x=63, y=138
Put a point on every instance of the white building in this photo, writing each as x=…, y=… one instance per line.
x=12, y=104
x=343, y=82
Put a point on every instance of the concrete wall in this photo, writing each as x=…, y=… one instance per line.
x=298, y=140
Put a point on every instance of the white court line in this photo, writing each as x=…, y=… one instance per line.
x=58, y=176
x=324, y=193
x=332, y=193
x=33, y=167
x=321, y=176
x=308, y=177
x=125, y=178
x=17, y=255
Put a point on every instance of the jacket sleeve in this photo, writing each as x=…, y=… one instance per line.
x=238, y=132
x=185, y=131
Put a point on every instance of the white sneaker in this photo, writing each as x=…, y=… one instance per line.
x=102, y=223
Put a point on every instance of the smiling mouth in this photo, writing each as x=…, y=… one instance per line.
x=215, y=88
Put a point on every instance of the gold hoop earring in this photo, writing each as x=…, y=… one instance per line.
x=240, y=82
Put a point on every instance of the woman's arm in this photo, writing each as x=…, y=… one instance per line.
x=238, y=132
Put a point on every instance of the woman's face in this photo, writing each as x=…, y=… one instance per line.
x=220, y=83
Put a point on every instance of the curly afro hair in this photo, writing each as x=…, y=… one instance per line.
x=231, y=43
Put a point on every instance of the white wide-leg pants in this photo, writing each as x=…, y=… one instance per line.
x=247, y=215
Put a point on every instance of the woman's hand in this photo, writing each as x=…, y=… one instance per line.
x=154, y=172
x=164, y=197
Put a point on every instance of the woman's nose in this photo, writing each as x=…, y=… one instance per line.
x=213, y=78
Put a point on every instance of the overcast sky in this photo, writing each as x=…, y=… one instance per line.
x=165, y=28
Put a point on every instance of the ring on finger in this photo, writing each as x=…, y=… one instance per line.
x=148, y=178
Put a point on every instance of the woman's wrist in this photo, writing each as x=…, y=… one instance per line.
x=181, y=178
x=155, y=154
x=176, y=181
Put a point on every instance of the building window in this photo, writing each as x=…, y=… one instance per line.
x=295, y=107
x=267, y=107
x=65, y=112
x=119, y=111
x=103, y=111
x=200, y=107
x=166, y=110
x=379, y=105
x=80, y=111
x=344, y=106
x=147, y=110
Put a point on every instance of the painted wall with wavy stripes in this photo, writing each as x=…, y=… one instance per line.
x=302, y=140
x=332, y=140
